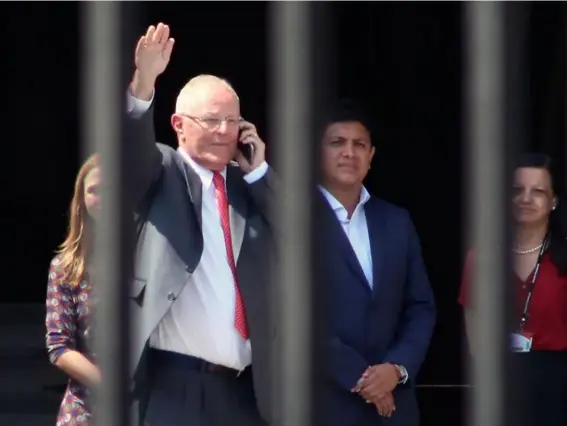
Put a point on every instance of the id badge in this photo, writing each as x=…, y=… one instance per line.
x=521, y=341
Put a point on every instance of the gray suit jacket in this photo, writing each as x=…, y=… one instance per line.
x=171, y=245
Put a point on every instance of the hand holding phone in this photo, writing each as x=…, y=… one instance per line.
x=251, y=149
x=246, y=149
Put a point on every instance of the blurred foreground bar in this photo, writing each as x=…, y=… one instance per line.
x=291, y=116
x=302, y=83
x=497, y=125
x=103, y=66
x=485, y=132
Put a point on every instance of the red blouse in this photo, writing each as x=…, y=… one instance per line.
x=548, y=307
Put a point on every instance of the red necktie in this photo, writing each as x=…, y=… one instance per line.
x=222, y=205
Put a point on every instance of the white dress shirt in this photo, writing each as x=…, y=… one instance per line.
x=200, y=322
x=356, y=229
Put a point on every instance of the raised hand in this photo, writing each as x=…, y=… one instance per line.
x=154, y=51
x=151, y=58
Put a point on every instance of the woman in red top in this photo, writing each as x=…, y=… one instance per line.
x=537, y=213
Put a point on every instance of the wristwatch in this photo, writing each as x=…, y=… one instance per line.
x=402, y=373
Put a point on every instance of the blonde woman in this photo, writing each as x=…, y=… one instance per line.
x=69, y=310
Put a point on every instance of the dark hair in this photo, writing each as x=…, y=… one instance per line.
x=537, y=160
x=558, y=217
x=346, y=110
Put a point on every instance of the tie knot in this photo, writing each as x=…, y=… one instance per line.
x=218, y=180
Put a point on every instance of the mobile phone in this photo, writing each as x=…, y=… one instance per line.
x=246, y=148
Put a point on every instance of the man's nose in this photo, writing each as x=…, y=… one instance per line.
x=348, y=150
x=223, y=127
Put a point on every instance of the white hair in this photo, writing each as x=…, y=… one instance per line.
x=197, y=85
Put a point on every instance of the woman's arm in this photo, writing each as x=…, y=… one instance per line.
x=78, y=367
x=61, y=324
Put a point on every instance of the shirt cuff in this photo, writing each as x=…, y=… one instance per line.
x=404, y=374
x=137, y=107
x=257, y=174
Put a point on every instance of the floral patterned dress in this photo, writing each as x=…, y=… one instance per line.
x=68, y=320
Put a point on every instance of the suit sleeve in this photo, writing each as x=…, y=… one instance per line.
x=344, y=364
x=264, y=192
x=418, y=317
x=143, y=163
x=60, y=319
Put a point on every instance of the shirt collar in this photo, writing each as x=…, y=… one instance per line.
x=338, y=208
x=204, y=174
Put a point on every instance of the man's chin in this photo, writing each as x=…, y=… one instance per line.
x=214, y=161
x=348, y=180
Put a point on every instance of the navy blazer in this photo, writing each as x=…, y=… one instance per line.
x=390, y=322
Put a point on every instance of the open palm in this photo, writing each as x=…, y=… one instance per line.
x=154, y=50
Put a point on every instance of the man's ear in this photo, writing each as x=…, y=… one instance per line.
x=177, y=124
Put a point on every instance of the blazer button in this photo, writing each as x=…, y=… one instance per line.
x=170, y=296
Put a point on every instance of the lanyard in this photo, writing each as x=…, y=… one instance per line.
x=525, y=315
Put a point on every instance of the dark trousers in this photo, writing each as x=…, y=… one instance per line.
x=186, y=391
x=540, y=391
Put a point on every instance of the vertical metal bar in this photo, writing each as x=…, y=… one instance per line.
x=103, y=109
x=292, y=101
x=487, y=202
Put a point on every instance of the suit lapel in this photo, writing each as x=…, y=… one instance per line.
x=195, y=188
x=238, y=209
x=377, y=233
x=342, y=240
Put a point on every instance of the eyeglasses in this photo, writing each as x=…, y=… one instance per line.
x=213, y=123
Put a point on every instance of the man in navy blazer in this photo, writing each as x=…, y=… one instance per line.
x=380, y=307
